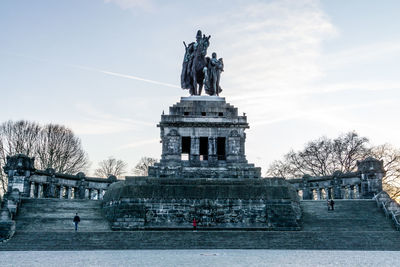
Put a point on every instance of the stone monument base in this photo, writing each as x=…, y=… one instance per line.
x=237, y=170
x=166, y=203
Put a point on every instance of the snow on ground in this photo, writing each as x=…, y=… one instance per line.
x=197, y=257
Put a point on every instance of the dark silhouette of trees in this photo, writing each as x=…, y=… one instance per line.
x=391, y=163
x=324, y=156
x=111, y=166
x=60, y=149
x=53, y=146
x=142, y=167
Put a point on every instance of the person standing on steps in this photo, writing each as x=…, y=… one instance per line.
x=76, y=221
x=332, y=204
x=194, y=224
x=328, y=203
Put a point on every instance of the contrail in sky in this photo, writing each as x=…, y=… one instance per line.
x=98, y=70
x=126, y=76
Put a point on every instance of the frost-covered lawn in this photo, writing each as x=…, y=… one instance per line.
x=191, y=258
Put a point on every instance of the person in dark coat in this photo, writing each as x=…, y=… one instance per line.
x=194, y=224
x=76, y=221
x=332, y=204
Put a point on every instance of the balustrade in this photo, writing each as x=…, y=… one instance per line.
x=320, y=188
x=66, y=187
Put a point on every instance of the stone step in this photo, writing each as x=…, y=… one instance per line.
x=60, y=202
x=356, y=240
x=349, y=215
x=57, y=214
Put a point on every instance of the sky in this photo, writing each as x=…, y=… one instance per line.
x=107, y=69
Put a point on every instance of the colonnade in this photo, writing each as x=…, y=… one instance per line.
x=41, y=190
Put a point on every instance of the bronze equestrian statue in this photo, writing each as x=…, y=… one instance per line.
x=199, y=70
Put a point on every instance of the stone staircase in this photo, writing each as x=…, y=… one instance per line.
x=354, y=225
x=56, y=215
x=349, y=215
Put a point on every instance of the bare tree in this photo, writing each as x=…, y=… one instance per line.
x=323, y=156
x=391, y=163
x=111, y=166
x=53, y=146
x=347, y=149
x=142, y=167
x=60, y=149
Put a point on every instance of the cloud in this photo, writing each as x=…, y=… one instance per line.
x=320, y=114
x=132, y=4
x=93, y=121
x=272, y=46
x=272, y=54
x=140, y=143
x=361, y=54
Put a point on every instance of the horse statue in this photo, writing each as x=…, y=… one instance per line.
x=192, y=76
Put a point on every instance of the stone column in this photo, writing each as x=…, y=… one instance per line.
x=35, y=190
x=212, y=151
x=101, y=194
x=351, y=192
x=82, y=191
x=60, y=193
x=343, y=192
x=40, y=191
x=194, y=156
x=69, y=192
x=74, y=194
x=306, y=191
x=330, y=193
x=358, y=195
x=91, y=190
x=327, y=193
x=32, y=190
x=337, y=188
x=318, y=193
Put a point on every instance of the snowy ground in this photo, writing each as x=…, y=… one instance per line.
x=200, y=258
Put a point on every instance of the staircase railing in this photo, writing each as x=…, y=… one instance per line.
x=390, y=207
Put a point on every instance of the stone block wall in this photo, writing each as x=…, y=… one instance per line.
x=268, y=204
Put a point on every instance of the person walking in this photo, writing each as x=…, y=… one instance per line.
x=194, y=224
x=332, y=204
x=76, y=221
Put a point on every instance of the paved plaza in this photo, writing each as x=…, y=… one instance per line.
x=230, y=258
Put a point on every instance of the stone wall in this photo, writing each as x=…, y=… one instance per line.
x=152, y=203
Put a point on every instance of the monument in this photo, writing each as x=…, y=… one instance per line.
x=203, y=176
x=203, y=173
x=203, y=136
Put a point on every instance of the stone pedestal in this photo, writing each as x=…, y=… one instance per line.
x=173, y=203
x=372, y=172
x=203, y=136
x=203, y=174
x=7, y=225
